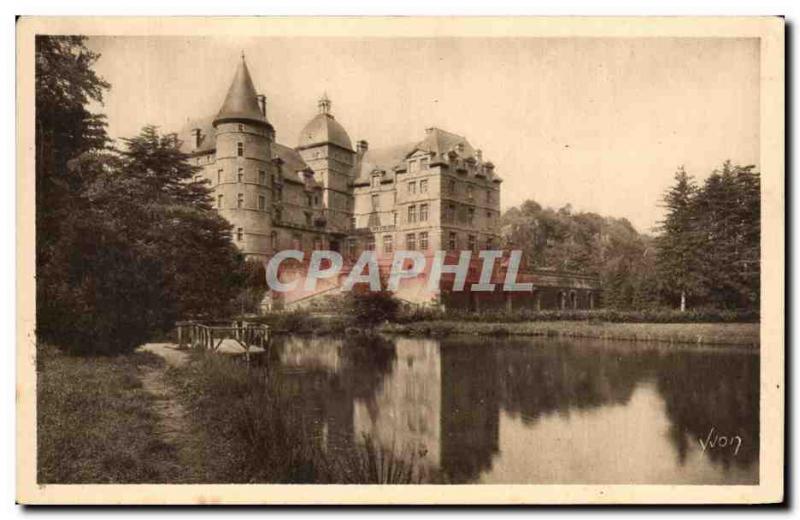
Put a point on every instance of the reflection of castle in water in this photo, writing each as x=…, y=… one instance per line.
x=443, y=399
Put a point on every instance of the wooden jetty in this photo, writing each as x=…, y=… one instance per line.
x=252, y=337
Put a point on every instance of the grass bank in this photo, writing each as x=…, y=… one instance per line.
x=741, y=334
x=252, y=430
x=96, y=423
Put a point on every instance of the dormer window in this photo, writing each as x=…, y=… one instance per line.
x=376, y=181
x=423, y=163
x=413, y=166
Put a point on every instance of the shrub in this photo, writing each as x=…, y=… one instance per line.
x=371, y=308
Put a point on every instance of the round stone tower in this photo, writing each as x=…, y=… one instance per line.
x=242, y=188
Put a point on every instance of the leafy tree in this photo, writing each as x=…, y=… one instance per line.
x=587, y=243
x=142, y=248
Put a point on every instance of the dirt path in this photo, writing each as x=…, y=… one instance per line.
x=174, y=426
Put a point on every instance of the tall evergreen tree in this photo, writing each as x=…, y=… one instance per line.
x=678, y=256
x=729, y=231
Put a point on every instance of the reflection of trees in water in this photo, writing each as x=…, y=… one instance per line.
x=550, y=377
x=469, y=410
x=705, y=390
x=528, y=378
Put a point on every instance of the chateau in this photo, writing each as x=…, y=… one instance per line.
x=438, y=193
x=325, y=193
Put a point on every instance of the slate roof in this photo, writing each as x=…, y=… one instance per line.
x=241, y=103
x=324, y=128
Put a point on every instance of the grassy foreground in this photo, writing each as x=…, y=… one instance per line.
x=741, y=334
x=96, y=423
x=250, y=431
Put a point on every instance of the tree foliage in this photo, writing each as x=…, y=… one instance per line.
x=128, y=241
x=609, y=248
x=709, y=244
x=707, y=248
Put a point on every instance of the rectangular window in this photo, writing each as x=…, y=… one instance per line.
x=423, y=186
x=412, y=213
x=273, y=241
x=278, y=214
x=240, y=175
x=262, y=177
x=371, y=243
x=309, y=200
x=413, y=166
x=375, y=202
x=471, y=216
x=262, y=202
x=353, y=222
x=278, y=194
x=351, y=247
x=308, y=219
x=469, y=192
x=240, y=200
x=412, y=187
x=240, y=149
x=376, y=181
x=471, y=243
x=219, y=201
x=451, y=212
x=423, y=241
x=411, y=241
x=451, y=186
x=423, y=163
x=452, y=242
x=423, y=212
x=219, y=176
x=387, y=244
x=239, y=234
x=274, y=179
x=488, y=195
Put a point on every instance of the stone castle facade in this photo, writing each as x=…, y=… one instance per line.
x=438, y=193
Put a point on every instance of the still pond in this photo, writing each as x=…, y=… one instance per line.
x=534, y=410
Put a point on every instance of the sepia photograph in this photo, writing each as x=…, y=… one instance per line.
x=467, y=260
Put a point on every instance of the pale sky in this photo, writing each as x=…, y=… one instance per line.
x=598, y=123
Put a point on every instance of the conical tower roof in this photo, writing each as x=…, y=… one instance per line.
x=241, y=103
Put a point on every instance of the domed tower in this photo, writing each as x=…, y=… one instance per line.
x=243, y=150
x=326, y=148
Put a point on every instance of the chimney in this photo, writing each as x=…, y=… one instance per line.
x=196, y=136
x=262, y=104
x=362, y=146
